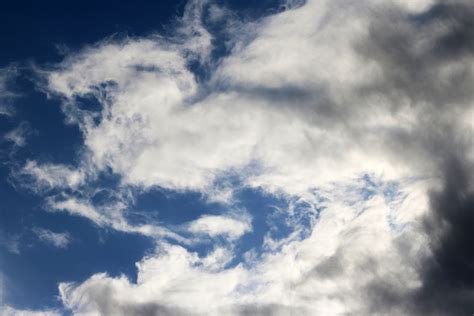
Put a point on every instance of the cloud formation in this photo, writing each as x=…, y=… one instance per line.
x=213, y=225
x=10, y=311
x=59, y=240
x=319, y=274
x=18, y=135
x=361, y=110
x=6, y=93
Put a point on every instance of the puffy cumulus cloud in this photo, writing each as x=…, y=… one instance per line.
x=59, y=240
x=216, y=225
x=304, y=102
x=198, y=138
x=326, y=273
x=285, y=119
x=163, y=281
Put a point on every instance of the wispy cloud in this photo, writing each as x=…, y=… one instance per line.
x=59, y=240
x=109, y=215
x=11, y=243
x=18, y=136
x=40, y=177
x=6, y=93
x=321, y=272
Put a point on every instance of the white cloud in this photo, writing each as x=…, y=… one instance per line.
x=110, y=215
x=59, y=240
x=10, y=311
x=19, y=134
x=292, y=112
x=214, y=225
x=78, y=208
x=415, y=6
x=162, y=280
x=323, y=274
x=48, y=176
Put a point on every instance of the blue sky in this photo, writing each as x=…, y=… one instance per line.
x=210, y=157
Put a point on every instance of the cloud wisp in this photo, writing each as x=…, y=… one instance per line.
x=59, y=240
x=6, y=93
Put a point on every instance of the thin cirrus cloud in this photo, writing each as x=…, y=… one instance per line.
x=110, y=215
x=59, y=240
x=18, y=136
x=6, y=93
x=305, y=104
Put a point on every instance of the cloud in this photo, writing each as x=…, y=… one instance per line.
x=19, y=134
x=355, y=109
x=316, y=275
x=11, y=243
x=58, y=240
x=109, y=215
x=10, y=311
x=162, y=282
x=6, y=93
x=285, y=121
x=6, y=110
x=78, y=208
x=49, y=176
x=448, y=276
x=428, y=61
x=213, y=225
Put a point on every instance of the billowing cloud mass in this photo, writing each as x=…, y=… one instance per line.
x=362, y=111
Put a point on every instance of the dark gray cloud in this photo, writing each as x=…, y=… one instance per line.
x=427, y=60
x=330, y=267
x=267, y=310
x=414, y=52
x=459, y=40
x=150, y=309
x=448, y=276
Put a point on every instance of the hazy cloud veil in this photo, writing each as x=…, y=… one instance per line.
x=359, y=114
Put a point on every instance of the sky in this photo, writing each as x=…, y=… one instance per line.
x=223, y=157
